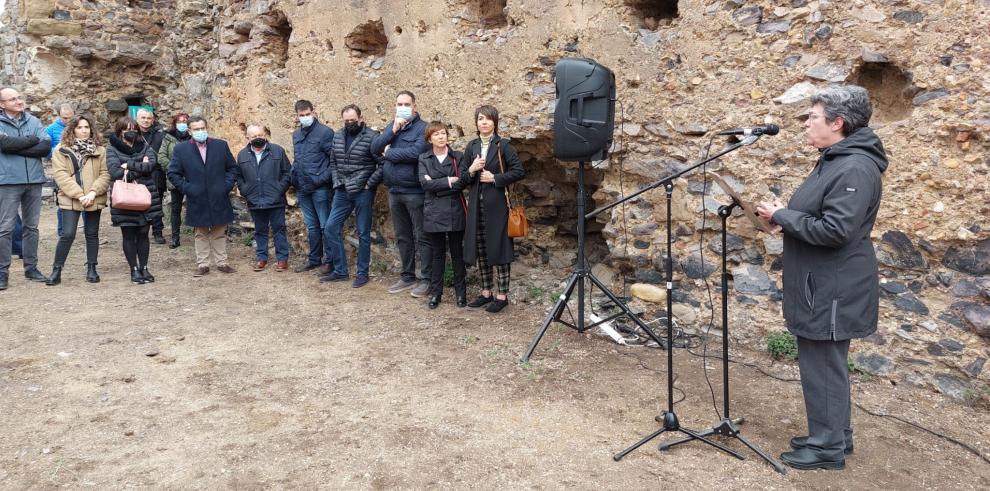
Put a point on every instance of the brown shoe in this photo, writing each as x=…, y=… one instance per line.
x=325, y=269
x=226, y=269
x=282, y=266
x=200, y=271
x=260, y=265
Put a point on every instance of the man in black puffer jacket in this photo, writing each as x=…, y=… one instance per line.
x=400, y=147
x=262, y=179
x=352, y=168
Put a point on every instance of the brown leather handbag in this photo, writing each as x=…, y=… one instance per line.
x=518, y=225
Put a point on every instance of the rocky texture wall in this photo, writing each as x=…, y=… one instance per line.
x=684, y=68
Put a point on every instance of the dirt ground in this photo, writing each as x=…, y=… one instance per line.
x=271, y=380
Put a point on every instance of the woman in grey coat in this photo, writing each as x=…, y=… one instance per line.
x=831, y=285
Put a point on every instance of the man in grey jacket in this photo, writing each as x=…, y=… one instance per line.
x=23, y=143
x=831, y=284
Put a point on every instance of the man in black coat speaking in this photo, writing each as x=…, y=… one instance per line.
x=831, y=285
x=204, y=170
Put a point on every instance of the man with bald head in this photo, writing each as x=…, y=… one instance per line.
x=153, y=135
x=23, y=143
x=262, y=179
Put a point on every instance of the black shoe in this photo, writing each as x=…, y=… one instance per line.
x=174, y=244
x=497, y=306
x=34, y=275
x=479, y=302
x=56, y=276
x=461, y=301
x=808, y=459
x=305, y=267
x=799, y=442
x=137, y=276
x=159, y=239
x=3, y=281
x=434, y=301
x=148, y=278
x=91, y=275
x=333, y=278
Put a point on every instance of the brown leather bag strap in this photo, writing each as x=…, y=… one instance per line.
x=501, y=168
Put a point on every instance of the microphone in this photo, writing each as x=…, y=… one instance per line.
x=770, y=129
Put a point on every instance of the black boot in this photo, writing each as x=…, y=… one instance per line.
x=91, y=275
x=56, y=276
x=175, y=242
x=136, y=276
x=158, y=238
x=147, y=275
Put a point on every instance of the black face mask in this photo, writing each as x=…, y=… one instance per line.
x=130, y=135
x=353, y=128
x=258, y=142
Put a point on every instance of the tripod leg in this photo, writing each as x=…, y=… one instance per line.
x=776, y=465
x=617, y=457
x=554, y=315
x=714, y=444
x=672, y=443
x=619, y=303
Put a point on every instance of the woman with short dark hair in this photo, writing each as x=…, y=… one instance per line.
x=444, y=211
x=831, y=283
x=489, y=166
x=79, y=168
x=129, y=158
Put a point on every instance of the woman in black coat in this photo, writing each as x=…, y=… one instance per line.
x=127, y=152
x=489, y=166
x=444, y=211
x=831, y=286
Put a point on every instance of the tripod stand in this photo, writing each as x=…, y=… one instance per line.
x=577, y=279
x=727, y=426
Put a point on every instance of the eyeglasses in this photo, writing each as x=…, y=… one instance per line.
x=18, y=98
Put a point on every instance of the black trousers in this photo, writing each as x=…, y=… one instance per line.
x=136, y=244
x=70, y=223
x=440, y=243
x=176, y=212
x=825, y=382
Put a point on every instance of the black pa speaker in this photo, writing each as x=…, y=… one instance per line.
x=584, y=118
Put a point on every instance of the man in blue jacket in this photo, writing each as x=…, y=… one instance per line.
x=23, y=143
x=205, y=172
x=263, y=179
x=312, y=147
x=399, y=146
x=54, y=130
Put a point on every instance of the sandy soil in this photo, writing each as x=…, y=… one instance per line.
x=271, y=380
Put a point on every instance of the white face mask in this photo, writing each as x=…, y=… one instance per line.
x=306, y=121
x=403, y=112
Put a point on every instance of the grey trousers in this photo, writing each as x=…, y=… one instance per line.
x=825, y=382
x=27, y=197
x=407, y=221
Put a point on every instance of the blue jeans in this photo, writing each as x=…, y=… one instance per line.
x=16, y=237
x=343, y=204
x=274, y=218
x=316, y=210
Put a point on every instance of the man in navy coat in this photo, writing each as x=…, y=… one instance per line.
x=204, y=170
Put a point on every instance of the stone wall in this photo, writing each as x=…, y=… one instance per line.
x=684, y=69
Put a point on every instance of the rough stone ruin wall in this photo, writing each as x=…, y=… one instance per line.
x=684, y=68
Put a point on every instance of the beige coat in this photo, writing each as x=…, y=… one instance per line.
x=95, y=178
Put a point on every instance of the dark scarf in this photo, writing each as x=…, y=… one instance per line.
x=124, y=148
x=83, y=148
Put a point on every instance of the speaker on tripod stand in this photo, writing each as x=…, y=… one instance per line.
x=584, y=121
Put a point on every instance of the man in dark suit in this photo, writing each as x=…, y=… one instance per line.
x=204, y=170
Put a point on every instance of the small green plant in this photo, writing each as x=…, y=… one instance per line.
x=379, y=266
x=782, y=346
x=469, y=339
x=448, y=274
x=536, y=294
x=855, y=368
x=247, y=239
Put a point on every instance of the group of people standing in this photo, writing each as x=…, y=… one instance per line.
x=440, y=200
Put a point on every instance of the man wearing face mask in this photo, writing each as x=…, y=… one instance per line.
x=263, y=179
x=355, y=174
x=152, y=134
x=177, y=134
x=205, y=172
x=312, y=145
x=400, y=147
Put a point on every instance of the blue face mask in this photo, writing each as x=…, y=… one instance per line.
x=306, y=121
x=403, y=112
x=200, y=135
x=181, y=127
